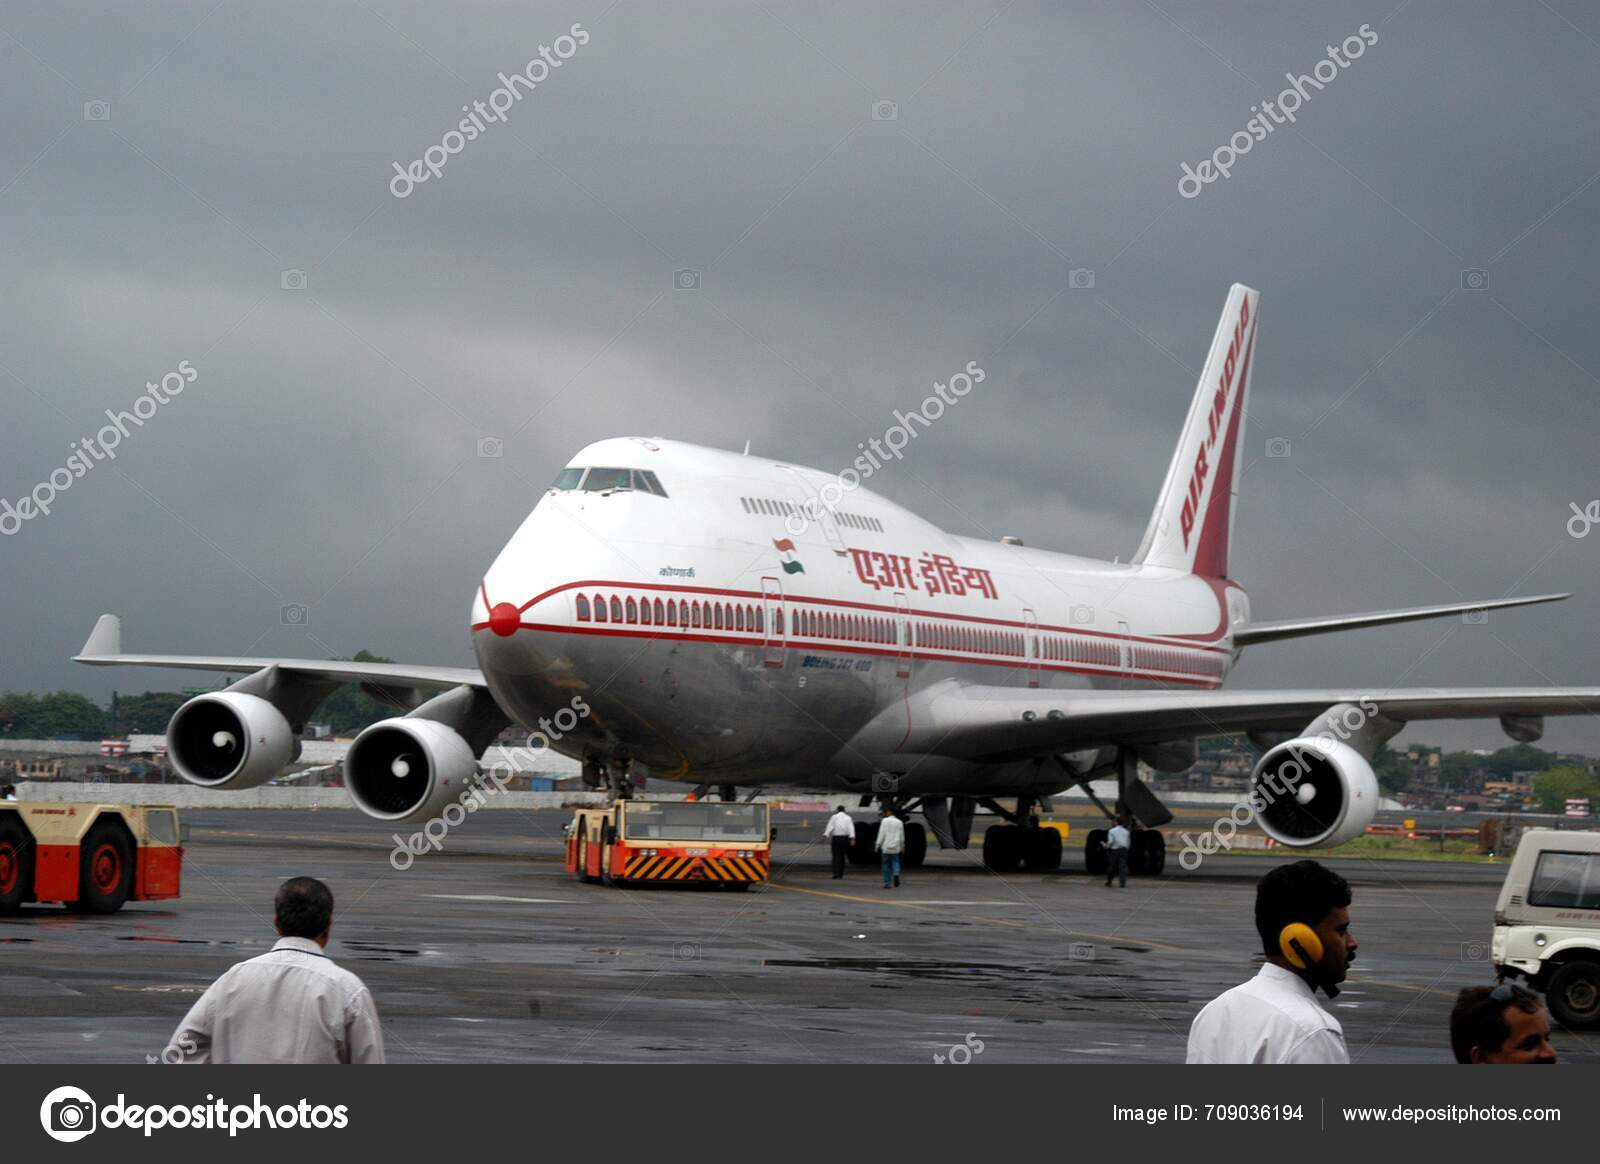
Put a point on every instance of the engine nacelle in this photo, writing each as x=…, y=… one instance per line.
x=1313, y=792
x=408, y=768
x=230, y=740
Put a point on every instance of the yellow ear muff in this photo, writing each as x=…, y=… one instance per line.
x=1301, y=935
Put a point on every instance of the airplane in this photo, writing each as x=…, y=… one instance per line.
x=727, y=620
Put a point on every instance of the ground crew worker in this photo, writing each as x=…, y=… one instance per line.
x=1500, y=1024
x=1117, y=841
x=1303, y=920
x=291, y=1004
x=890, y=844
x=841, y=833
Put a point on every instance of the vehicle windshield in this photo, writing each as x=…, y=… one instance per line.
x=1566, y=881
x=567, y=479
x=665, y=821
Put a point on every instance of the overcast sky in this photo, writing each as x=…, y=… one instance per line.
x=327, y=451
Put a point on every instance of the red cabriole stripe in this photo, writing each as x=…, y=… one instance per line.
x=855, y=649
x=892, y=610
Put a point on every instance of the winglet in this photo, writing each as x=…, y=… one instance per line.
x=105, y=639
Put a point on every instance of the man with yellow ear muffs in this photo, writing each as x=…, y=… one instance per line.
x=1303, y=917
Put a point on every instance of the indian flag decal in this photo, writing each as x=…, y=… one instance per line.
x=789, y=563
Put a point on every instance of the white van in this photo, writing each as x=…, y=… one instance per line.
x=1547, y=922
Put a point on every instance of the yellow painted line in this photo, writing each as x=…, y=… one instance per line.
x=1125, y=939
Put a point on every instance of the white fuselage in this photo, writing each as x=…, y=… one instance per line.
x=709, y=650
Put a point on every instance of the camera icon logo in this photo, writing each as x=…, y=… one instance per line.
x=885, y=111
x=687, y=279
x=1278, y=448
x=1080, y=952
x=885, y=783
x=294, y=279
x=686, y=951
x=1475, y=617
x=97, y=111
x=491, y=447
x=293, y=614
x=1080, y=279
x=68, y=1114
x=1474, y=279
x=1475, y=951
x=1082, y=614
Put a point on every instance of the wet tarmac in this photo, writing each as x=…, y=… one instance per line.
x=489, y=952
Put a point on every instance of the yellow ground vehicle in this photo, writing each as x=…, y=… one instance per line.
x=630, y=842
x=93, y=857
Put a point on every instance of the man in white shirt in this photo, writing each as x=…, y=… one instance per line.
x=890, y=844
x=841, y=833
x=1303, y=918
x=1118, y=838
x=291, y=1004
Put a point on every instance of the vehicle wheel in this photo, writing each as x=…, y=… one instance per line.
x=1094, y=852
x=105, y=870
x=1041, y=850
x=607, y=850
x=862, y=852
x=16, y=864
x=737, y=886
x=1002, y=848
x=583, y=861
x=1574, y=994
x=916, y=851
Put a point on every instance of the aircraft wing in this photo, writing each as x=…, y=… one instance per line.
x=1005, y=723
x=104, y=649
x=1294, y=628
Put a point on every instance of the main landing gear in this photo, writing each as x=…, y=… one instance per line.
x=863, y=850
x=1022, y=842
x=1147, y=849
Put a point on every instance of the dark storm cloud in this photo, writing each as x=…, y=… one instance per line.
x=327, y=452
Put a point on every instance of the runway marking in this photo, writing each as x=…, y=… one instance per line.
x=1125, y=939
x=496, y=897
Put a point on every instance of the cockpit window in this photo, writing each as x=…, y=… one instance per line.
x=605, y=480
x=646, y=480
x=600, y=480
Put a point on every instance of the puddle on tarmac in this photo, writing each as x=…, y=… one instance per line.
x=915, y=968
x=177, y=941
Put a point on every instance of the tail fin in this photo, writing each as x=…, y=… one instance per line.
x=1192, y=524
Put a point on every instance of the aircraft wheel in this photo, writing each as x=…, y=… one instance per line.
x=1002, y=848
x=1149, y=853
x=916, y=850
x=1094, y=852
x=1041, y=850
x=862, y=852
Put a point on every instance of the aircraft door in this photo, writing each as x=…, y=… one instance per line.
x=775, y=632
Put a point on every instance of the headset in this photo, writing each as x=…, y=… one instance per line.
x=1302, y=949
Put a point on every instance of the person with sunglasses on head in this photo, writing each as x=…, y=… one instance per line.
x=1500, y=1024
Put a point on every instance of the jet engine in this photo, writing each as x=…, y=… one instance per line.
x=1313, y=792
x=408, y=768
x=230, y=739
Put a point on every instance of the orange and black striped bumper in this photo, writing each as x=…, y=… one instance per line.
x=672, y=867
